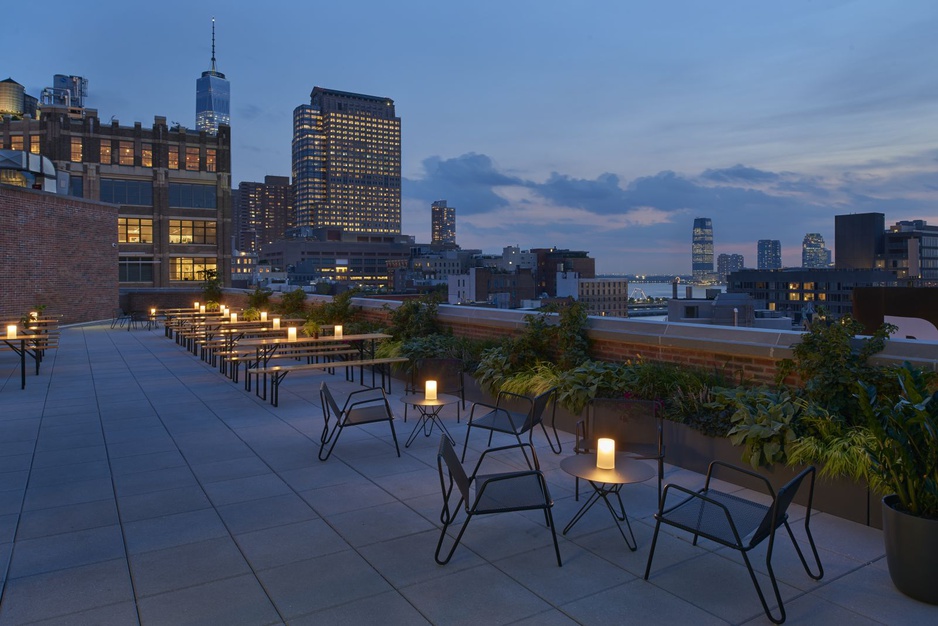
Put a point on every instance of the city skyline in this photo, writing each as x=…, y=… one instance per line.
x=605, y=128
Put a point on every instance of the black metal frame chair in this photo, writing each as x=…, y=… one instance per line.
x=740, y=524
x=447, y=372
x=498, y=419
x=484, y=494
x=634, y=424
x=365, y=406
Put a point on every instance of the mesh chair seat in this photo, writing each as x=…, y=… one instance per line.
x=498, y=419
x=366, y=415
x=502, y=421
x=518, y=491
x=365, y=406
x=709, y=520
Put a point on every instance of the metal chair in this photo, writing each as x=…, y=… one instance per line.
x=483, y=494
x=738, y=523
x=446, y=372
x=365, y=406
x=634, y=424
x=499, y=419
x=119, y=318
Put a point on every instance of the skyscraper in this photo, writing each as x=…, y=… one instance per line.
x=858, y=240
x=263, y=213
x=770, y=254
x=813, y=252
x=702, y=249
x=443, y=223
x=727, y=264
x=347, y=162
x=212, y=97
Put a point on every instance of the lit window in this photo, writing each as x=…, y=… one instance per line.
x=76, y=150
x=34, y=145
x=210, y=160
x=192, y=159
x=186, y=268
x=105, y=151
x=174, y=157
x=146, y=155
x=126, y=156
x=192, y=231
x=134, y=230
x=16, y=142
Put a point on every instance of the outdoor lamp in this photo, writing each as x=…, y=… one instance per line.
x=234, y=317
x=195, y=305
x=11, y=331
x=291, y=333
x=338, y=331
x=263, y=316
x=202, y=309
x=152, y=312
x=431, y=390
x=606, y=453
x=276, y=323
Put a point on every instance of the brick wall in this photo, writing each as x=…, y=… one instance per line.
x=57, y=251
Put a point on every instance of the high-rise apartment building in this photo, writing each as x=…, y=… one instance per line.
x=910, y=249
x=814, y=254
x=770, y=254
x=702, y=249
x=263, y=213
x=727, y=264
x=212, y=97
x=443, y=223
x=347, y=163
x=858, y=240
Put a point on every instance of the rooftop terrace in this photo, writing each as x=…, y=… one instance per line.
x=138, y=485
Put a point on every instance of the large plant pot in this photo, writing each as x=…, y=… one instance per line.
x=911, y=549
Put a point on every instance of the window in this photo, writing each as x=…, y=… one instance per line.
x=192, y=159
x=76, y=150
x=16, y=142
x=135, y=270
x=76, y=186
x=105, y=151
x=192, y=196
x=174, y=157
x=117, y=191
x=126, y=156
x=188, y=268
x=146, y=155
x=192, y=231
x=34, y=144
x=210, y=158
x=134, y=230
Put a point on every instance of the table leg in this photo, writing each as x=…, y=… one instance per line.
x=601, y=492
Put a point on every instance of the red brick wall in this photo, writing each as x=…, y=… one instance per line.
x=57, y=251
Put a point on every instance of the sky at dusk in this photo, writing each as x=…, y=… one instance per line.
x=604, y=125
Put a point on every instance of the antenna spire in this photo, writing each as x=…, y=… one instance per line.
x=213, y=44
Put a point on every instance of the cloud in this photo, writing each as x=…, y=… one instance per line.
x=644, y=225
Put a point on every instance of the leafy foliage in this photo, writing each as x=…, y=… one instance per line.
x=832, y=358
x=293, y=303
x=211, y=286
x=764, y=424
x=259, y=298
x=415, y=318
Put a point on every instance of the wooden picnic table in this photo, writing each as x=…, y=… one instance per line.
x=33, y=339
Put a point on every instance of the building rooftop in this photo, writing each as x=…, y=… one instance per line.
x=139, y=485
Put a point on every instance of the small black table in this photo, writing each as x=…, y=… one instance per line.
x=606, y=482
x=429, y=414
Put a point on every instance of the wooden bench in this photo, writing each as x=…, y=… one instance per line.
x=278, y=372
x=312, y=356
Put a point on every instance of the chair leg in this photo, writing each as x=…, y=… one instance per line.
x=466, y=442
x=804, y=563
x=394, y=435
x=330, y=439
x=651, y=551
x=550, y=441
x=755, y=581
x=439, y=544
x=553, y=534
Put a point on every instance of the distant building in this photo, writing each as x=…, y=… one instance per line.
x=212, y=97
x=600, y=296
x=428, y=267
x=263, y=212
x=14, y=101
x=910, y=249
x=858, y=240
x=702, y=250
x=347, y=163
x=814, y=254
x=728, y=263
x=553, y=260
x=442, y=224
x=800, y=292
x=514, y=258
x=770, y=254
x=172, y=187
x=502, y=290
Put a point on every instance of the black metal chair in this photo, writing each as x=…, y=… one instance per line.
x=738, y=523
x=483, y=494
x=634, y=424
x=499, y=419
x=365, y=406
x=447, y=373
x=119, y=318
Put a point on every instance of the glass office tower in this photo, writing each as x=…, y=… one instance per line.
x=770, y=254
x=702, y=249
x=347, y=162
x=212, y=97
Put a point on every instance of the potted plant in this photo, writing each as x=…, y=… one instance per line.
x=903, y=454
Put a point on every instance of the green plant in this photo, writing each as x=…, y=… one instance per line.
x=903, y=441
x=27, y=317
x=259, y=298
x=763, y=424
x=832, y=357
x=212, y=305
x=311, y=328
x=250, y=314
x=415, y=318
x=211, y=285
x=293, y=303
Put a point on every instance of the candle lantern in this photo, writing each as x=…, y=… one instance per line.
x=276, y=323
x=338, y=331
x=291, y=333
x=11, y=331
x=263, y=316
x=431, y=390
x=606, y=453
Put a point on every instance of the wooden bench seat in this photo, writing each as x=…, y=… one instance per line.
x=278, y=372
x=230, y=363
